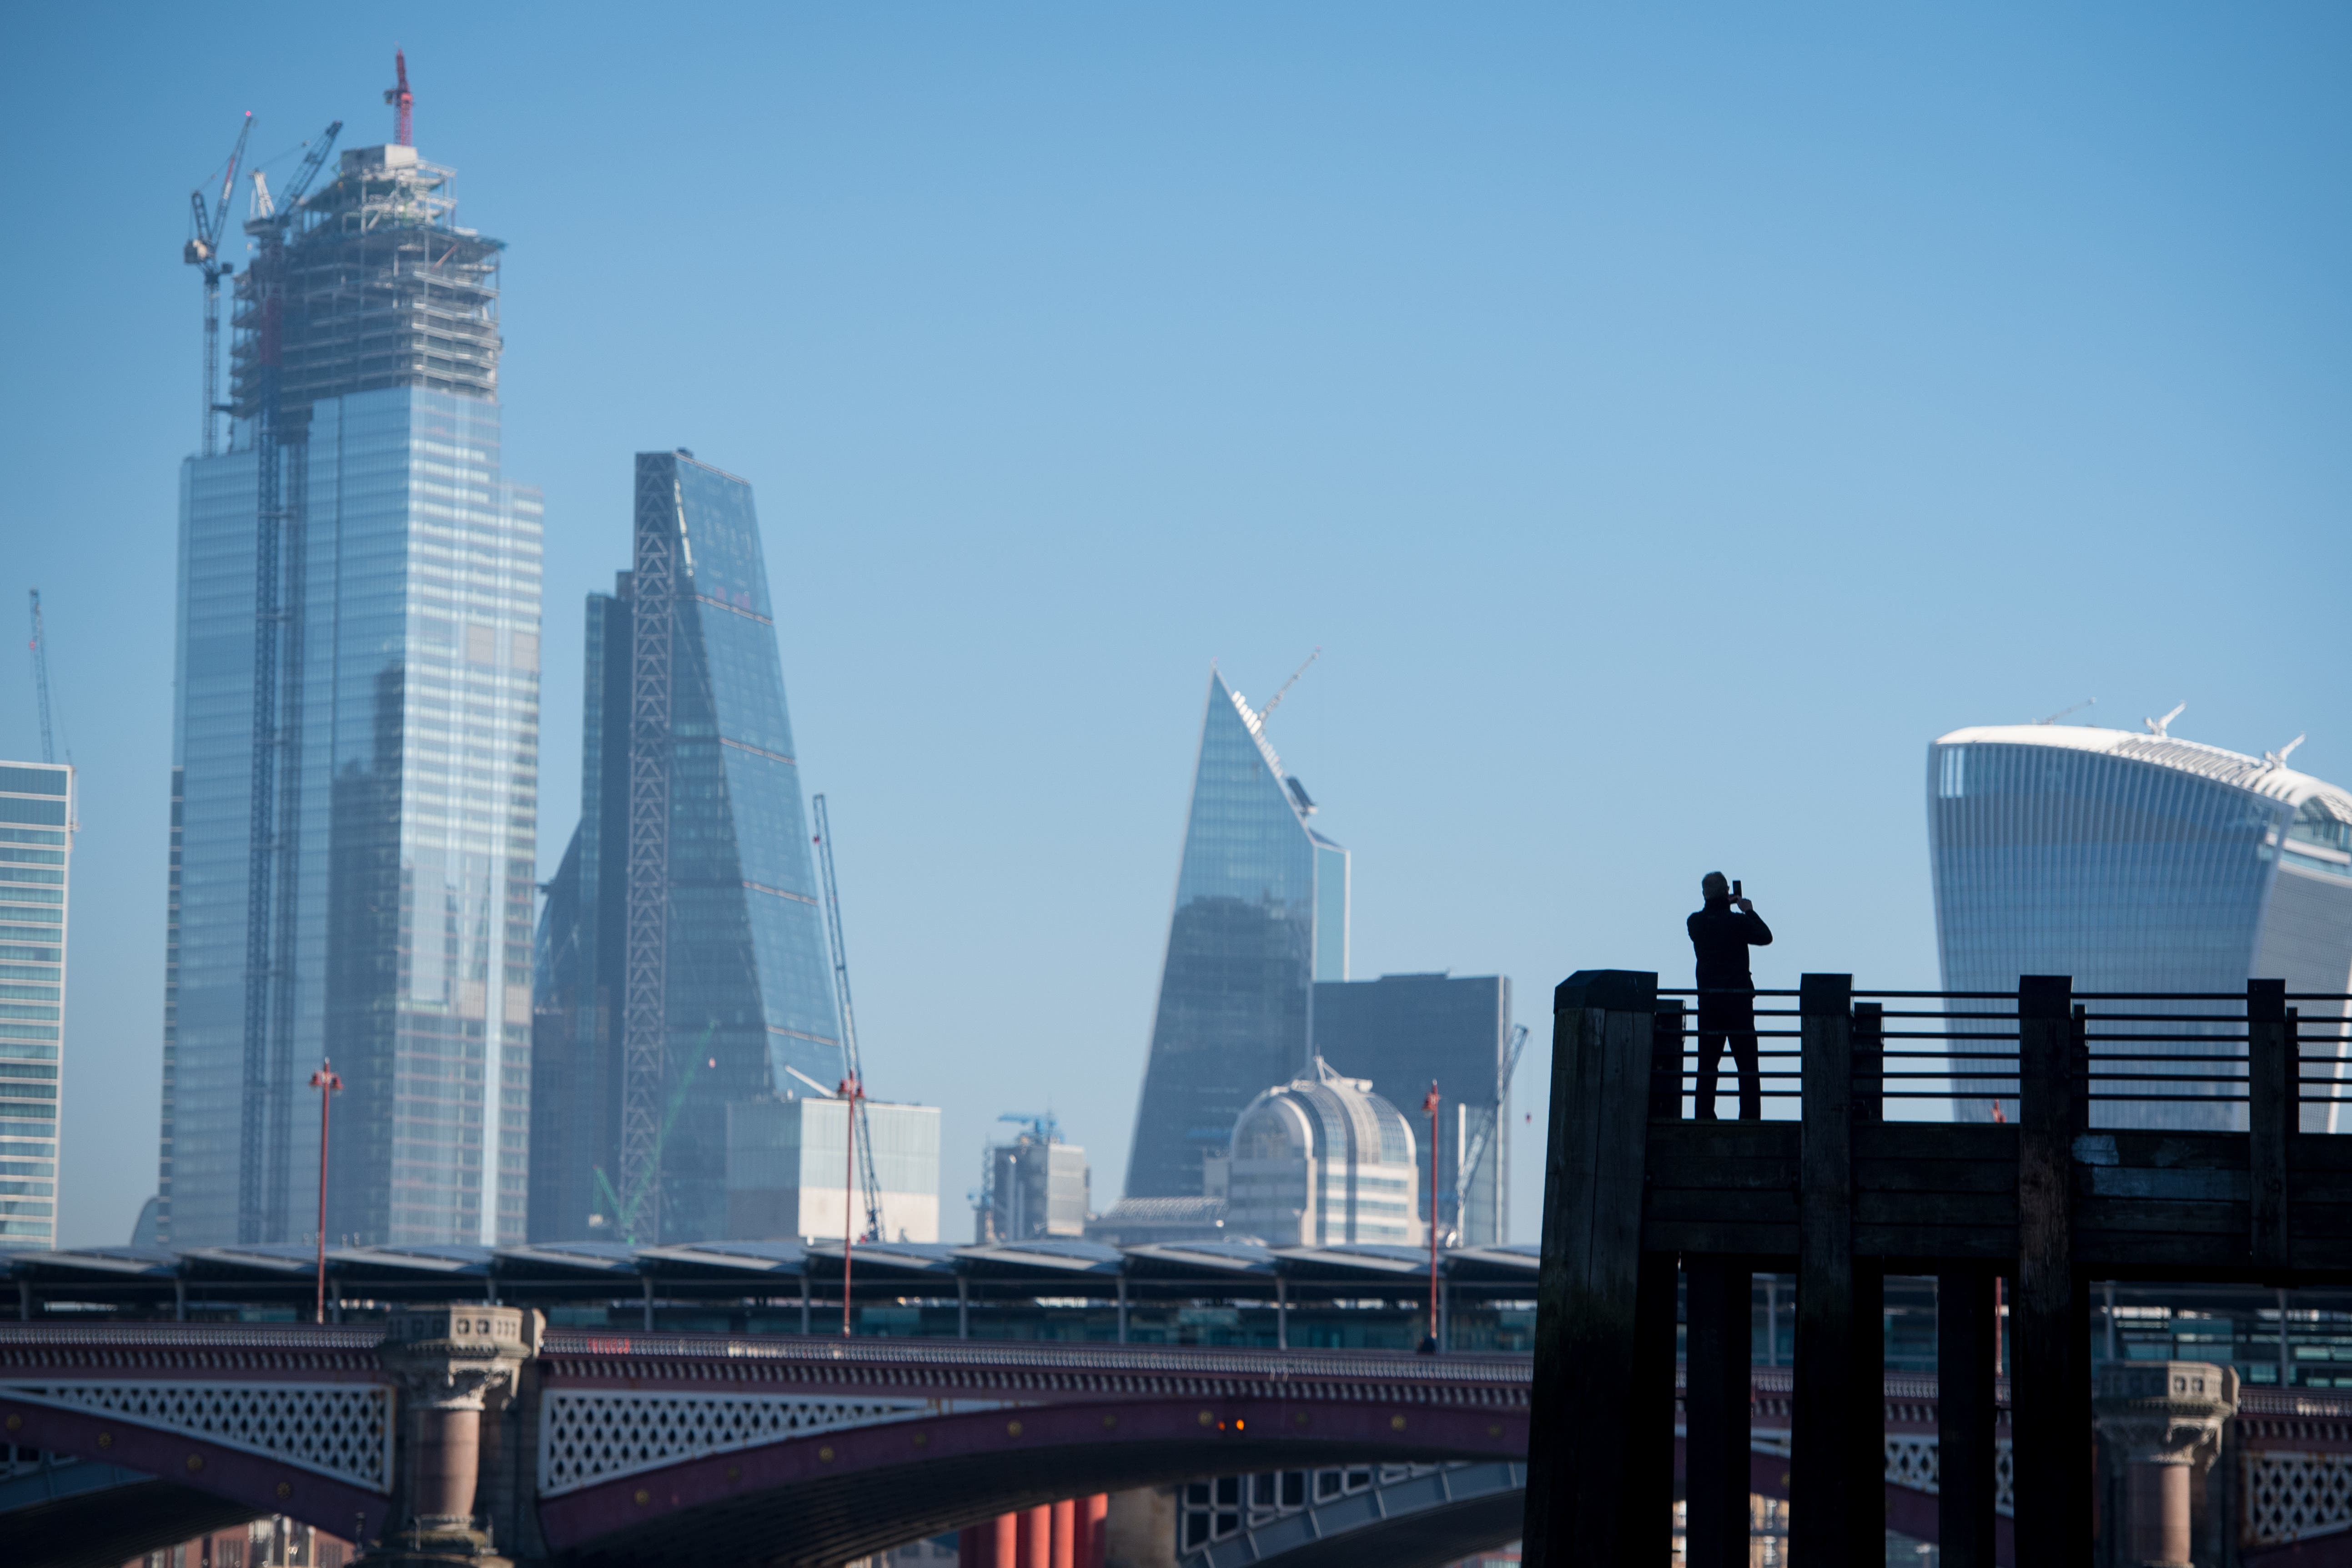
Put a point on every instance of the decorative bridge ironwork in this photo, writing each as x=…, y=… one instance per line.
x=471, y=1426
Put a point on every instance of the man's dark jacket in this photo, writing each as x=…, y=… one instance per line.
x=1721, y=935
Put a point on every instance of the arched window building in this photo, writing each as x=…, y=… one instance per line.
x=1321, y=1160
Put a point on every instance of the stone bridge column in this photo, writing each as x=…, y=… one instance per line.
x=450, y=1361
x=2162, y=1421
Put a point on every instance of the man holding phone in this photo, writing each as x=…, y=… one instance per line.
x=1721, y=934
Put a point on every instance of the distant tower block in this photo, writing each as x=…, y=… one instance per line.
x=1261, y=915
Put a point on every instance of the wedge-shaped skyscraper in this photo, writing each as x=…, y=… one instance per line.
x=356, y=743
x=1261, y=915
x=681, y=954
x=2138, y=862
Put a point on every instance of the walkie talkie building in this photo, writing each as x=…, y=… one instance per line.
x=1261, y=915
x=2137, y=863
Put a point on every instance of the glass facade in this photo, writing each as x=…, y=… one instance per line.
x=702, y=794
x=401, y=863
x=1261, y=915
x=36, y=814
x=2136, y=863
x=1404, y=1032
x=1325, y=1161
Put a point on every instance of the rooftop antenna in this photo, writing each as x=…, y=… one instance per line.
x=2157, y=727
x=1267, y=712
x=403, y=101
x=41, y=679
x=2087, y=702
x=2278, y=759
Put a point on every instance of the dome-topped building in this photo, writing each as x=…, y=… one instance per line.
x=1323, y=1159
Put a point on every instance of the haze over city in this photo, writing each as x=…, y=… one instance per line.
x=1665, y=425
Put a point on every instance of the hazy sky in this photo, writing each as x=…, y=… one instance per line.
x=1667, y=419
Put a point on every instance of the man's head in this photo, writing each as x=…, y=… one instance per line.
x=1715, y=885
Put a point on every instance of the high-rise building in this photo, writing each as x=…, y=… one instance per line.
x=790, y=1171
x=682, y=963
x=2137, y=862
x=1404, y=1032
x=37, y=816
x=1261, y=915
x=1325, y=1161
x=1032, y=1187
x=355, y=741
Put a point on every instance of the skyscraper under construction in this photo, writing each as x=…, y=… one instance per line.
x=355, y=739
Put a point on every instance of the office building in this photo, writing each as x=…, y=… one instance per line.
x=36, y=819
x=682, y=966
x=1261, y=915
x=1323, y=1161
x=355, y=741
x=1404, y=1032
x=2137, y=862
x=1032, y=1187
x=788, y=1159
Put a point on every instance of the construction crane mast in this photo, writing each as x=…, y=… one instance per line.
x=265, y=1125
x=203, y=250
x=866, y=1177
x=403, y=101
x=41, y=680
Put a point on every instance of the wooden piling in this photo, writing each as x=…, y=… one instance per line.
x=1821, y=1475
x=1965, y=1353
x=1599, y=1482
x=1716, y=1409
x=2049, y=1402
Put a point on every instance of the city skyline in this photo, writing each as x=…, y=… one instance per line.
x=1639, y=446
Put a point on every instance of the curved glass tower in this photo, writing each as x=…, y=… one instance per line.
x=2136, y=862
x=681, y=955
x=1261, y=915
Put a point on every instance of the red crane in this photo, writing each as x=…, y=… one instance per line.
x=403, y=101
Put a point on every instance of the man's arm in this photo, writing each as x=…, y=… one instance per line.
x=1759, y=933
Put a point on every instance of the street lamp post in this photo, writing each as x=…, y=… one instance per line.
x=327, y=1081
x=851, y=1092
x=1430, y=1104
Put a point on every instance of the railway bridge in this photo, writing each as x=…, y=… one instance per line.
x=463, y=1429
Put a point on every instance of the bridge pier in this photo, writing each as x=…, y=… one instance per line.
x=2163, y=1422
x=447, y=1362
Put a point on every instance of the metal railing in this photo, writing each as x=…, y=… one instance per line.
x=2180, y=1057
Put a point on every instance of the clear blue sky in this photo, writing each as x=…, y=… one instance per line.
x=1667, y=419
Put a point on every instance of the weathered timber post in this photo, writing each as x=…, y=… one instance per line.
x=2270, y=1103
x=1869, y=1062
x=1716, y=1400
x=1837, y=1442
x=2164, y=1422
x=2049, y=1324
x=1666, y=1062
x=1601, y=1433
x=1965, y=1413
x=447, y=1361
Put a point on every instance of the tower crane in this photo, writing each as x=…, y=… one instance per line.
x=1475, y=1154
x=203, y=249
x=866, y=1175
x=403, y=101
x=41, y=680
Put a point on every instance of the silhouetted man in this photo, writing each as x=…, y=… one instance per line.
x=1721, y=934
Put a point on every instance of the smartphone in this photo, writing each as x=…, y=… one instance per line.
x=1735, y=887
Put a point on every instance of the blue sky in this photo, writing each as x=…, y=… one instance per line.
x=1667, y=419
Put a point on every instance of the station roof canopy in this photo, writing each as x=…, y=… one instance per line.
x=544, y=1272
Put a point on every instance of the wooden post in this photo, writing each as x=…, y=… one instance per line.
x=2270, y=1105
x=1716, y=1400
x=1965, y=1416
x=1666, y=1062
x=1599, y=1480
x=1870, y=1061
x=1820, y=1502
x=2050, y=1399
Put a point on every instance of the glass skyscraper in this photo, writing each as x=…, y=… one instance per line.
x=682, y=962
x=355, y=739
x=1404, y=1032
x=36, y=814
x=1261, y=915
x=2137, y=862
